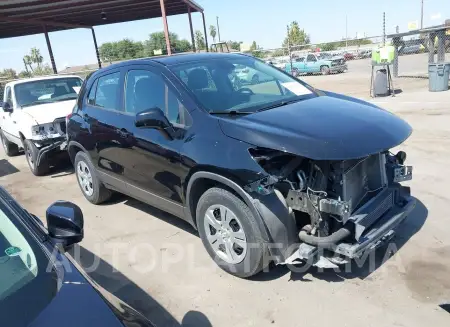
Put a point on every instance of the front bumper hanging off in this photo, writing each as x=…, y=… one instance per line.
x=57, y=145
x=373, y=225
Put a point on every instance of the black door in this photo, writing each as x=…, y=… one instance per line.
x=108, y=137
x=152, y=167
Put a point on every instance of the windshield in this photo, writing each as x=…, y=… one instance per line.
x=47, y=91
x=26, y=278
x=239, y=84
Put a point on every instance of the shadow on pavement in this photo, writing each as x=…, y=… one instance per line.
x=355, y=269
x=123, y=288
x=6, y=168
x=446, y=307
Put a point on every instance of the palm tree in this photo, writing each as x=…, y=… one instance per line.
x=36, y=57
x=199, y=40
x=213, y=32
x=27, y=62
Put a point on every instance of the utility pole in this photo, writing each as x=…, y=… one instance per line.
x=346, y=33
x=218, y=29
x=421, y=16
x=384, y=29
x=289, y=48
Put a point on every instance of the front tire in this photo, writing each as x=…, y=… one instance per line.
x=230, y=233
x=10, y=148
x=31, y=154
x=91, y=186
x=325, y=70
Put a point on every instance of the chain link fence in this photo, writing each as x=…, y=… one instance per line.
x=413, y=53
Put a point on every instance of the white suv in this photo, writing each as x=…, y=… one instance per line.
x=33, y=117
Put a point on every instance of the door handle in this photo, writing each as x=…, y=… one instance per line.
x=123, y=132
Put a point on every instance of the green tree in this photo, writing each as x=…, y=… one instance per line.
x=296, y=36
x=157, y=41
x=213, y=32
x=199, y=40
x=234, y=45
x=36, y=57
x=42, y=70
x=27, y=62
x=8, y=74
x=121, y=50
x=279, y=53
x=254, y=46
x=328, y=46
x=25, y=74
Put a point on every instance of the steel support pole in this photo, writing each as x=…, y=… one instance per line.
x=431, y=37
x=192, y=29
x=50, y=51
x=204, y=30
x=166, y=28
x=96, y=48
x=395, y=63
x=441, y=46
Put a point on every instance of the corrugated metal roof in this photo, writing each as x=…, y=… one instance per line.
x=27, y=17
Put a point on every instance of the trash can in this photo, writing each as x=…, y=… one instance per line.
x=438, y=77
x=380, y=85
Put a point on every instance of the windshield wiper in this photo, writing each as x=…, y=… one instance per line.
x=231, y=112
x=34, y=103
x=278, y=104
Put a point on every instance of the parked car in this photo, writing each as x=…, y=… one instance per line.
x=248, y=75
x=349, y=56
x=314, y=64
x=256, y=170
x=410, y=49
x=33, y=118
x=40, y=286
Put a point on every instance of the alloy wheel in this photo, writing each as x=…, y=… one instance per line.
x=225, y=234
x=85, y=178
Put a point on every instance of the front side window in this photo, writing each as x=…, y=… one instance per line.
x=145, y=90
x=107, y=91
x=241, y=83
x=311, y=58
x=27, y=283
x=47, y=91
x=8, y=96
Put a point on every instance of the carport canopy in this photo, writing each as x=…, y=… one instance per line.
x=28, y=17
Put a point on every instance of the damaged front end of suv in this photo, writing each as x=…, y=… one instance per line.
x=344, y=208
x=328, y=161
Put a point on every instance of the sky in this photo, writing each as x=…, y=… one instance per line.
x=263, y=21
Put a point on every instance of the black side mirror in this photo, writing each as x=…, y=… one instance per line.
x=154, y=118
x=65, y=223
x=7, y=107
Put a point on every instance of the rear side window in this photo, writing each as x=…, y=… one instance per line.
x=104, y=91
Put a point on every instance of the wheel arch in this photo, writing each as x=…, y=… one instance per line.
x=73, y=149
x=204, y=180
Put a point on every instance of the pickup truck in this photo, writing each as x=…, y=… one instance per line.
x=33, y=118
x=313, y=63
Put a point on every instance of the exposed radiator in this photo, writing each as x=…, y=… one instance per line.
x=362, y=178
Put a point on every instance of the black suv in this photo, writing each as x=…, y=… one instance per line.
x=267, y=168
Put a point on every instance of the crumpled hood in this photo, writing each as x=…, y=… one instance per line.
x=48, y=112
x=326, y=127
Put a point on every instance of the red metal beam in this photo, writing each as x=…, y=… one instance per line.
x=204, y=29
x=50, y=51
x=192, y=30
x=166, y=28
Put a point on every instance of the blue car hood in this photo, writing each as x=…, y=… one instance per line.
x=329, y=126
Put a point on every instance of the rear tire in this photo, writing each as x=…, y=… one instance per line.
x=31, y=154
x=11, y=149
x=91, y=186
x=243, y=249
